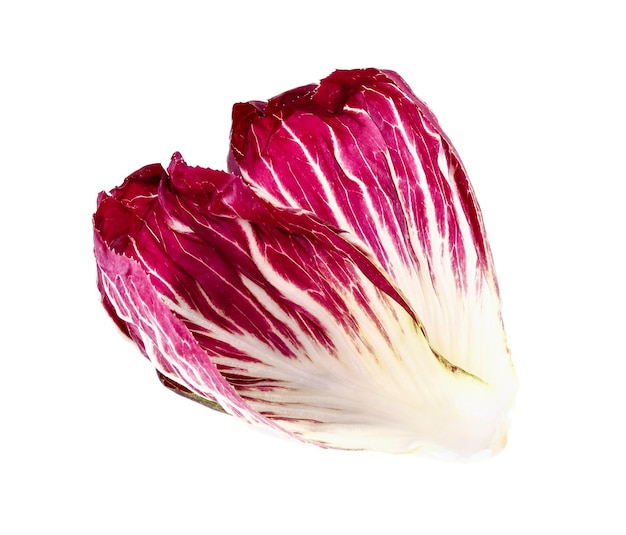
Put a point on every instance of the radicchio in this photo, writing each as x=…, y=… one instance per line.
x=335, y=285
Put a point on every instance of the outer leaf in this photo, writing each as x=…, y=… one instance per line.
x=279, y=319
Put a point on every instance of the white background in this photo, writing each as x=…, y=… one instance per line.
x=532, y=95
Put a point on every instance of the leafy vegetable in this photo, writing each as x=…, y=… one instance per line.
x=336, y=284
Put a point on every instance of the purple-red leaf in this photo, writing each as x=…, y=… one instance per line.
x=365, y=155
